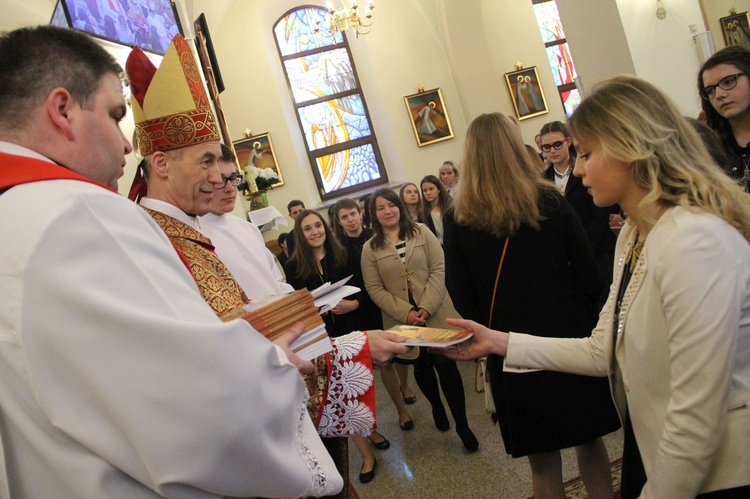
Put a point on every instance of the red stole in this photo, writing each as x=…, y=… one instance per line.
x=17, y=170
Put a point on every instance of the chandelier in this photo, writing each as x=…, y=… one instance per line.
x=346, y=17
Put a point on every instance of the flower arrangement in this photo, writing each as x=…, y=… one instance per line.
x=265, y=178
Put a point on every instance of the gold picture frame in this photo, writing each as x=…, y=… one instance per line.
x=258, y=151
x=736, y=29
x=428, y=117
x=527, y=93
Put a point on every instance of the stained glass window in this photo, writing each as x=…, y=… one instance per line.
x=331, y=108
x=558, y=53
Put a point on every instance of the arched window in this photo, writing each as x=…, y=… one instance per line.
x=329, y=103
x=558, y=53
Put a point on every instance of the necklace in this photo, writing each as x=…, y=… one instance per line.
x=322, y=270
x=635, y=252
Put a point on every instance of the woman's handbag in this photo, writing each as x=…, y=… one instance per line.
x=481, y=378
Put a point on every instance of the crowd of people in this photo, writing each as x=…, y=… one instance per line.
x=140, y=377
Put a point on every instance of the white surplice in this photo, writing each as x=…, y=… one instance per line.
x=240, y=245
x=117, y=380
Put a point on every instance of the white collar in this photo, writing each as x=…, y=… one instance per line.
x=170, y=210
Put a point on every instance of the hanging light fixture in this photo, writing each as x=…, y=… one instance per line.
x=661, y=12
x=347, y=17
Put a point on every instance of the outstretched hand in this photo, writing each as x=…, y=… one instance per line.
x=483, y=342
x=385, y=345
x=285, y=340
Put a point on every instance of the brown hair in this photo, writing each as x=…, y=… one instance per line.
x=303, y=258
x=407, y=229
x=501, y=184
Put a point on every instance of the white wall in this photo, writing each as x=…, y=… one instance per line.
x=462, y=46
x=663, y=51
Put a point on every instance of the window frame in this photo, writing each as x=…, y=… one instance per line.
x=313, y=155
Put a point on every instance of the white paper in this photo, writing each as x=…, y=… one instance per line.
x=316, y=349
x=329, y=295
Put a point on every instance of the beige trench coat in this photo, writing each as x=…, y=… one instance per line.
x=386, y=283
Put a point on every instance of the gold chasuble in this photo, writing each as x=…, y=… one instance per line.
x=221, y=291
x=216, y=284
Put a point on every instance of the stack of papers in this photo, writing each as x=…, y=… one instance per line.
x=275, y=315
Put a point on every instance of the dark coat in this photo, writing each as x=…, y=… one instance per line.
x=336, y=325
x=548, y=286
x=371, y=316
x=595, y=220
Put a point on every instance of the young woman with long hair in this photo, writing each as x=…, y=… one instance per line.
x=548, y=284
x=319, y=258
x=403, y=270
x=409, y=195
x=724, y=87
x=351, y=234
x=674, y=336
x=435, y=201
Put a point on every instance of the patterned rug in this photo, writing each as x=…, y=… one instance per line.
x=574, y=488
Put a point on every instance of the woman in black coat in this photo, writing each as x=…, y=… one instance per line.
x=548, y=283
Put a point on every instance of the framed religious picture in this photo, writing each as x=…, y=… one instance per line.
x=429, y=117
x=526, y=93
x=736, y=29
x=257, y=158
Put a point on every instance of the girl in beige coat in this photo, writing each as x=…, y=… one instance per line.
x=404, y=273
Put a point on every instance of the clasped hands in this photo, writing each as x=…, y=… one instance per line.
x=418, y=317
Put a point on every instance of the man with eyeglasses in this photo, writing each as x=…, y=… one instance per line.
x=724, y=87
x=239, y=244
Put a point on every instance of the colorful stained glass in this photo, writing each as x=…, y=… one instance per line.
x=334, y=122
x=295, y=31
x=318, y=66
x=570, y=99
x=320, y=75
x=348, y=168
x=561, y=64
x=548, y=19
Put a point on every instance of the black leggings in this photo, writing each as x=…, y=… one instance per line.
x=450, y=381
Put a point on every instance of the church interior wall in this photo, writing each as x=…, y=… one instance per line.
x=463, y=47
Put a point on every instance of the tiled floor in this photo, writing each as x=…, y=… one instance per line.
x=426, y=463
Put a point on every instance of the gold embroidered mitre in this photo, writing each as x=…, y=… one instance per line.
x=170, y=105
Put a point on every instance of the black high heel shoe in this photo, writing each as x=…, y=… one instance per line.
x=367, y=477
x=470, y=442
x=441, y=419
x=408, y=400
x=407, y=425
x=382, y=445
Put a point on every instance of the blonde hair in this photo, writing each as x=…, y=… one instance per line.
x=633, y=121
x=501, y=185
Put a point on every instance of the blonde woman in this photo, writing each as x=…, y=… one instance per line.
x=674, y=336
x=448, y=172
x=548, y=284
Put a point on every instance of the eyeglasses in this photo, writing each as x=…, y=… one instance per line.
x=726, y=83
x=556, y=145
x=235, y=179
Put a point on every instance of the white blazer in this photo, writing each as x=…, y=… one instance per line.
x=681, y=359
